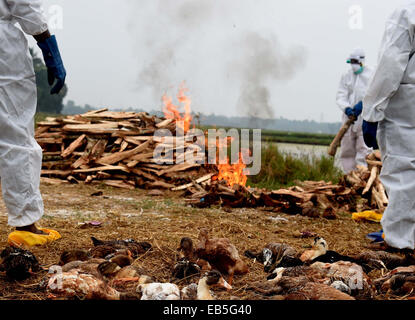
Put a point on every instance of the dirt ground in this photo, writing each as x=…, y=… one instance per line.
x=163, y=221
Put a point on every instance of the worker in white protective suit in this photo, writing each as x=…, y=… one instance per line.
x=389, y=114
x=352, y=89
x=20, y=155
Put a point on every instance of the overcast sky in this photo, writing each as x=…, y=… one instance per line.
x=270, y=58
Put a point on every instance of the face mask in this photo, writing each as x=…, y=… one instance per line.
x=357, y=68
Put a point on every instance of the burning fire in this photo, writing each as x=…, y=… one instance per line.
x=172, y=112
x=233, y=173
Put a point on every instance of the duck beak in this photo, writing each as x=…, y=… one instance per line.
x=224, y=284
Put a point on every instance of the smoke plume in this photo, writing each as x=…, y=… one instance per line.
x=224, y=63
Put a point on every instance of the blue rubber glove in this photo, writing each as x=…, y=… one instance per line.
x=54, y=64
x=369, y=134
x=357, y=109
x=349, y=112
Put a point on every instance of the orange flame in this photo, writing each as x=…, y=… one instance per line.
x=233, y=173
x=172, y=112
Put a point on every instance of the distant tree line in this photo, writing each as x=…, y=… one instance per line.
x=46, y=102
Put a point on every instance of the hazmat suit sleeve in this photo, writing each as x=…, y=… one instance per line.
x=393, y=61
x=29, y=14
x=343, y=94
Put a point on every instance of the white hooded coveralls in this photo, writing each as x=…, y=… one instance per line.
x=20, y=155
x=352, y=89
x=390, y=100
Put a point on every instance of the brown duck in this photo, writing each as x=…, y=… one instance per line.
x=221, y=254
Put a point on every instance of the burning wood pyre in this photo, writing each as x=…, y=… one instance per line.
x=117, y=148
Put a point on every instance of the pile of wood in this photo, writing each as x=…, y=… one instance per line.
x=114, y=148
x=311, y=198
x=366, y=182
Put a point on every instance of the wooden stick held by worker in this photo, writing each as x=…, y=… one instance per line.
x=337, y=140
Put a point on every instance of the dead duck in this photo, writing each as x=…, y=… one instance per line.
x=221, y=254
x=184, y=269
x=301, y=288
x=201, y=291
x=159, y=291
x=370, y=260
x=122, y=260
x=89, y=266
x=18, y=264
x=384, y=283
x=186, y=251
x=170, y=291
x=117, y=275
x=298, y=288
x=188, y=263
x=351, y=274
x=276, y=255
x=136, y=248
x=320, y=253
x=312, y=274
x=76, y=284
x=74, y=255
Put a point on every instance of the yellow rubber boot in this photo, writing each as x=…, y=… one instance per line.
x=29, y=239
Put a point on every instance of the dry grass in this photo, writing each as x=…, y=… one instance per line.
x=163, y=221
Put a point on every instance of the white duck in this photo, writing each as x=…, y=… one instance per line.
x=201, y=291
x=170, y=291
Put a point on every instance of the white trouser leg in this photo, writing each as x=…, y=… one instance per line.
x=348, y=152
x=20, y=154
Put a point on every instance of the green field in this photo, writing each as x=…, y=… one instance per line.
x=319, y=139
x=280, y=170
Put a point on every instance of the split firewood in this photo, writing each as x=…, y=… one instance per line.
x=200, y=180
x=382, y=193
x=378, y=199
x=104, y=145
x=374, y=163
x=372, y=178
x=73, y=146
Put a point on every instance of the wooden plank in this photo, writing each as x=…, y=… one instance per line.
x=374, y=163
x=73, y=121
x=164, y=123
x=112, y=115
x=119, y=156
x=126, y=133
x=51, y=135
x=138, y=140
x=92, y=112
x=48, y=123
x=103, y=168
x=40, y=130
x=178, y=168
x=73, y=146
x=132, y=164
x=200, y=180
x=124, y=146
x=97, y=150
x=142, y=157
x=287, y=193
x=83, y=160
x=146, y=175
x=90, y=127
x=49, y=140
